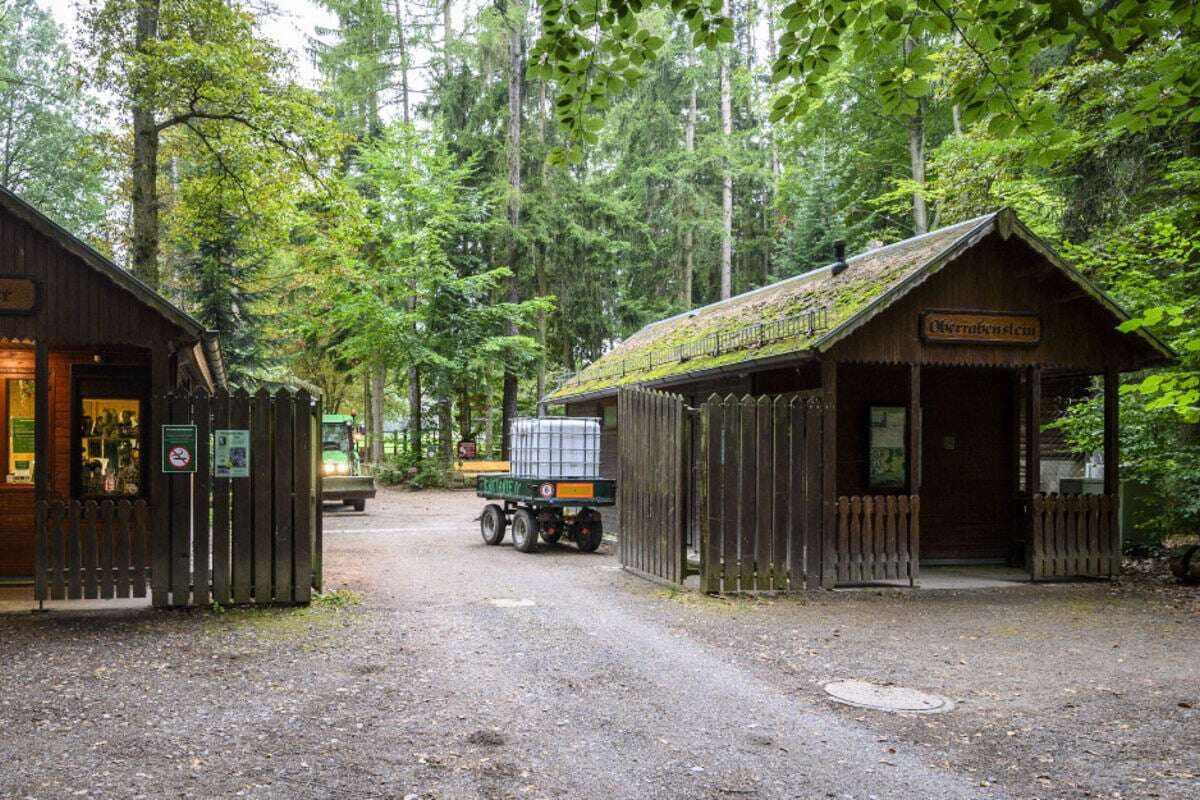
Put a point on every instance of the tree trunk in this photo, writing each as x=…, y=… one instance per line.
x=144, y=198
x=447, y=35
x=689, y=142
x=726, y=173
x=446, y=429
x=402, y=50
x=956, y=119
x=378, y=382
x=916, y=155
x=516, y=59
x=415, y=419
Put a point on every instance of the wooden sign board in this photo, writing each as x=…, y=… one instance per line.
x=18, y=295
x=980, y=327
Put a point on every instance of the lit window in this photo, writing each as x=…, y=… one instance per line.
x=20, y=429
x=110, y=435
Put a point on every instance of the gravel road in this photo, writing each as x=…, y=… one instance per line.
x=470, y=671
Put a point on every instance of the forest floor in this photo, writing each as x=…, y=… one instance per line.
x=469, y=671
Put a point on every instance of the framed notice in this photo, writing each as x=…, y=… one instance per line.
x=886, y=450
x=231, y=453
x=179, y=449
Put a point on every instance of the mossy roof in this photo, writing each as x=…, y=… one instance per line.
x=872, y=281
x=648, y=354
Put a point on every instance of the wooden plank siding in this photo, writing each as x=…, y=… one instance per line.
x=651, y=491
x=759, y=487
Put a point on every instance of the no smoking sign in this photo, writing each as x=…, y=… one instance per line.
x=179, y=449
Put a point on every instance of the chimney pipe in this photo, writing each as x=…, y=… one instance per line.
x=839, y=257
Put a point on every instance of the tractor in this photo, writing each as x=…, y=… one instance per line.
x=342, y=478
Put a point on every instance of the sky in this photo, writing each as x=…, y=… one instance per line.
x=291, y=27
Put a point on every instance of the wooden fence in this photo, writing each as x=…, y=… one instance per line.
x=1074, y=536
x=760, y=493
x=878, y=539
x=652, y=491
x=200, y=539
x=241, y=540
x=91, y=550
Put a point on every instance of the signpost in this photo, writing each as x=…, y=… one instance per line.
x=231, y=453
x=178, y=449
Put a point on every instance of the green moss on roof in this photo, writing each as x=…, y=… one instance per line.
x=869, y=276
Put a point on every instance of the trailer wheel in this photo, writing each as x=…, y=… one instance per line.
x=358, y=505
x=524, y=531
x=588, y=530
x=492, y=524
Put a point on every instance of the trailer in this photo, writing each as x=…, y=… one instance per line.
x=545, y=508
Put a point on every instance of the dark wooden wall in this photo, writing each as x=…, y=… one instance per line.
x=998, y=275
x=79, y=305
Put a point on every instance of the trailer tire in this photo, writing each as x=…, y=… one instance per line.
x=589, y=530
x=524, y=531
x=358, y=505
x=492, y=524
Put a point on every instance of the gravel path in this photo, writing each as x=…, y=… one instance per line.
x=471, y=671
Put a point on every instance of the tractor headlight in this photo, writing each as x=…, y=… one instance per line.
x=343, y=467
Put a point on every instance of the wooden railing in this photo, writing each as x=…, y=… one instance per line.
x=1074, y=535
x=90, y=550
x=878, y=539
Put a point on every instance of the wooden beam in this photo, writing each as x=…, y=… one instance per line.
x=1033, y=439
x=1112, y=433
x=41, y=420
x=160, y=531
x=829, y=472
x=914, y=429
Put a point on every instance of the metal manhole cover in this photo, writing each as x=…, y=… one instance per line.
x=887, y=698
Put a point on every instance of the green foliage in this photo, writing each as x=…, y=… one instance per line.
x=47, y=155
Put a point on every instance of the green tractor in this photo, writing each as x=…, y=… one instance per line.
x=342, y=479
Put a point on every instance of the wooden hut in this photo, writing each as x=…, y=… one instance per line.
x=932, y=363
x=84, y=345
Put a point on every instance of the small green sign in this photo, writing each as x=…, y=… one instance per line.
x=178, y=449
x=231, y=453
x=22, y=434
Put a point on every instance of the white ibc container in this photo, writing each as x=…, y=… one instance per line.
x=555, y=447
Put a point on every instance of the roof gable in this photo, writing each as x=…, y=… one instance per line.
x=803, y=315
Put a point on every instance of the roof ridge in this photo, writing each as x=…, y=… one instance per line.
x=814, y=271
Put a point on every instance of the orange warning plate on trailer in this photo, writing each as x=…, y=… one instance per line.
x=582, y=491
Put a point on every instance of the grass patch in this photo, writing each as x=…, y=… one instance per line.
x=327, y=612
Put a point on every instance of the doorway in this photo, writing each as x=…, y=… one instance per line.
x=969, y=454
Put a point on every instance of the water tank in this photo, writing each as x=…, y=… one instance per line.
x=555, y=447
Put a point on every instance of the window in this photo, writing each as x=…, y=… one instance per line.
x=110, y=408
x=111, y=451
x=19, y=417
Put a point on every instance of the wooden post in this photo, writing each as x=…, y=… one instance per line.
x=41, y=472
x=1112, y=434
x=829, y=472
x=160, y=531
x=1033, y=439
x=1112, y=465
x=914, y=429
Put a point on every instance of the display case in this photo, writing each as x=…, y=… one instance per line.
x=111, y=411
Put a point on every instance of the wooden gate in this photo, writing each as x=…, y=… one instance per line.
x=202, y=539
x=652, y=488
x=1073, y=536
x=760, y=485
